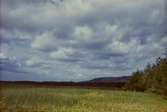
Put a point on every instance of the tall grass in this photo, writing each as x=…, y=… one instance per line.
x=78, y=100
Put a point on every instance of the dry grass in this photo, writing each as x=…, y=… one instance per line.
x=78, y=100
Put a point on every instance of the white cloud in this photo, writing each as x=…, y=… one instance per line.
x=155, y=50
x=45, y=14
x=110, y=30
x=61, y=53
x=44, y=41
x=35, y=61
x=14, y=34
x=118, y=47
x=163, y=41
x=76, y=7
x=121, y=47
x=2, y=56
x=126, y=4
x=83, y=33
x=116, y=31
x=95, y=32
x=32, y=61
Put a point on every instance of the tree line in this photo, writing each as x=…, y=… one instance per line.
x=153, y=78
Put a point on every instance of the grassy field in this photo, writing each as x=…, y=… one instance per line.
x=37, y=99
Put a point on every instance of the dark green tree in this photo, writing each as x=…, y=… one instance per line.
x=153, y=78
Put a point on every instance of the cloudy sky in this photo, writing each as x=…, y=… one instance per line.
x=73, y=40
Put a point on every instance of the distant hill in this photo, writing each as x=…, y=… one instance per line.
x=122, y=79
x=102, y=82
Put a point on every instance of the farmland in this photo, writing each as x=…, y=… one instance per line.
x=69, y=99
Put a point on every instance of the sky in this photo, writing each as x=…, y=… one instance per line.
x=76, y=40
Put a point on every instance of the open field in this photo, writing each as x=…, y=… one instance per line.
x=42, y=99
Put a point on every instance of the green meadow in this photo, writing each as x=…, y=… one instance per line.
x=38, y=99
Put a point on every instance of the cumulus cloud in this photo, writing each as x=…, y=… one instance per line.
x=3, y=56
x=8, y=35
x=44, y=41
x=81, y=39
x=110, y=30
x=42, y=14
x=62, y=53
x=119, y=47
x=9, y=64
x=163, y=41
x=34, y=61
x=83, y=33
